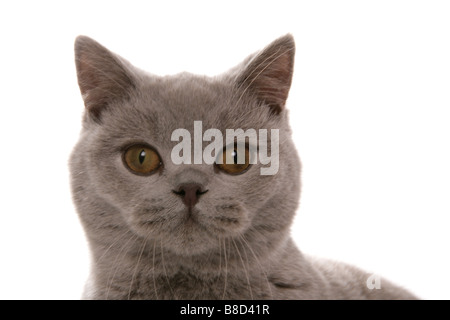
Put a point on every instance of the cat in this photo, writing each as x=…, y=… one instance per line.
x=161, y=230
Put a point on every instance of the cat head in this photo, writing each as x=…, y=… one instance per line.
x=126, y=169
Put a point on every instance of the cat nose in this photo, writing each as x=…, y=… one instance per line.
x=190, y=192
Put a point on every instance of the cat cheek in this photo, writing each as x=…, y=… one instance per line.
x=229, y=219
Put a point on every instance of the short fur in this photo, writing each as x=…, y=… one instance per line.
x=236, y=242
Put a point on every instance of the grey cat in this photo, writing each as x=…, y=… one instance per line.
x=160, y=230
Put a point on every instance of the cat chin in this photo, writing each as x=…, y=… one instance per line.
x=190, y=249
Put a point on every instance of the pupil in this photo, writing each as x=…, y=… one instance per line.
x=235, y=157
x=142, y=156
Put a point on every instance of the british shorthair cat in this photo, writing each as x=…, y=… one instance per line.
x=187, y=185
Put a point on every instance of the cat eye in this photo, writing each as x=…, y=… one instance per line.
x=141, y=159
x=234, y=160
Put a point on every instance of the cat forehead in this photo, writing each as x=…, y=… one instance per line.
x=185, y=98
x=180, y=99
x=185, y=90
x=163, y=104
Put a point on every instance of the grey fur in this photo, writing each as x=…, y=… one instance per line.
x=236, y=244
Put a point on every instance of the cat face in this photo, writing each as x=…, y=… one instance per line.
x=127, y=146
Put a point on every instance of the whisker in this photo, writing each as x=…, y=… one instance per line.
x=112, y=244
x=259, y=264
x=226, y=269
x=220, y=257
x=110, y=281
x=136, y=267
x=246, y=256
x=154, y=278
x=245, y=269
x=165, y=271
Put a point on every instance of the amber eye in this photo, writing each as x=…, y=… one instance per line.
x=142, y=159
x=234, y=160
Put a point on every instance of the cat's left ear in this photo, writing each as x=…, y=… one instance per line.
x=268, y=74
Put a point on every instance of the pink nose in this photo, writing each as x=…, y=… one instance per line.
x=190, y=192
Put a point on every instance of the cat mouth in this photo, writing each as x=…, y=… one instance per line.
x=187, y=217
x=226, y=219
x=191, y=230
x=190, y=217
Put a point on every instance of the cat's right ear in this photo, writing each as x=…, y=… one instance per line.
x=103, y=77
x=267, y=75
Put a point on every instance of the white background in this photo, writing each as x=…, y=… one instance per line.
x=369, y=105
